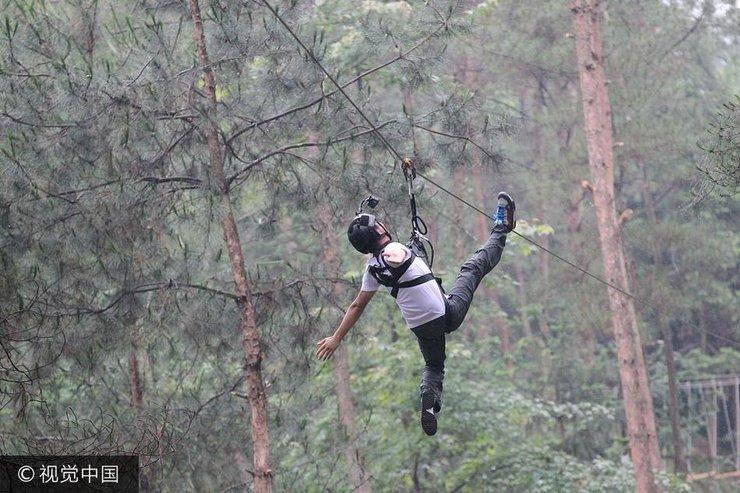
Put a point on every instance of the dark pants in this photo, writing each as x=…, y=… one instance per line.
x=431, y=335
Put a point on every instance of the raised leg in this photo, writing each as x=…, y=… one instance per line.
x=460, y=296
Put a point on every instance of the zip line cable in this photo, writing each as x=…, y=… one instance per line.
x=394, y=153
x=390, y=148
x=574, y=265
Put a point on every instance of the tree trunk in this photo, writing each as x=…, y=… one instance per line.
x=638, y=402
x=459, y=172
x=647, y=198
x=531, y=104
x=136, y=390
x=132, y=320
x=574, y=226
x=348, y=418
x=458, y=177
x=135, y=384
x=134, y=378
x=345, y=401
x=250, y=337
x=576, y=249
x=522, y=292
x=703, y=342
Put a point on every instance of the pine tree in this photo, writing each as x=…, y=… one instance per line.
x=638, y=402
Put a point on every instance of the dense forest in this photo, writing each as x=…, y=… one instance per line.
x=177, y=178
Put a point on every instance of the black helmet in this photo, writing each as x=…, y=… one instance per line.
x=362, y=234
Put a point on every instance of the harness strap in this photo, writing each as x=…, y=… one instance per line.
x=413, y=282
x=388, y=276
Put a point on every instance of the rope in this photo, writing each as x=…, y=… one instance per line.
x=419, y=228
x=398, y=156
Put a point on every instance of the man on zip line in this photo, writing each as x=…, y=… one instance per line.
x=428, y=312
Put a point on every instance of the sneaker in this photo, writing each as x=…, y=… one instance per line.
x=505, y=212
x=429, y=410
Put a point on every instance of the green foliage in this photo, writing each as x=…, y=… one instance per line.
x=723, y=150
x=112, y=254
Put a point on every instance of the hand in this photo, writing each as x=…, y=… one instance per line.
x=326, y=347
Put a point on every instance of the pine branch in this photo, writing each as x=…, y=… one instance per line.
x=35, y=125
x=316, y=101
x=282, y=150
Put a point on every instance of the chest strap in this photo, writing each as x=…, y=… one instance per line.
x=388, y=276
x=413, y=282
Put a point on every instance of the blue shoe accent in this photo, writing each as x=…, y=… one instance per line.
x=505, y=212
x=500, y=214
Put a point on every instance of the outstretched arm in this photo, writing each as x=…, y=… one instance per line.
x=326, y=347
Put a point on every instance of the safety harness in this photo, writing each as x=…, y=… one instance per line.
x=389, y=276
x=418, y=239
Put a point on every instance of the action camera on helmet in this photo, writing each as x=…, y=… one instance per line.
x=361, y=232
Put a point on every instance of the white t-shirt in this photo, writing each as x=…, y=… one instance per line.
x=418, y=304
